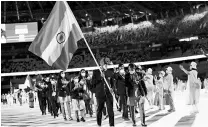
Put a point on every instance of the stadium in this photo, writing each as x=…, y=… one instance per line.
x=151, y=34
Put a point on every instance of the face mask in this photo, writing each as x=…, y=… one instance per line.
x=76, y=80
x=83, y=74
x=132, y=72
x=122, y=71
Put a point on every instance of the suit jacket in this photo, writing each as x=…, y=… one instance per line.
x=120, y=84
x=102, y=90
x=132, y=85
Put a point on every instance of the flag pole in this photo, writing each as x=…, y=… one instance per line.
x=100, y=71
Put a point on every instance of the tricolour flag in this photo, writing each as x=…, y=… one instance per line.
x=11, y=87
x=28, y=82
x=57, y=40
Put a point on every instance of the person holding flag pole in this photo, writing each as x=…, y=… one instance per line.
x=57, y=40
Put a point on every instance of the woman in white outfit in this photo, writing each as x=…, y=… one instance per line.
x=150, y=87
x=206, y=84
x=194, y=86
x=159, y=90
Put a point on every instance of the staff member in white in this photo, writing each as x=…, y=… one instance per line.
x=150, y=86
x=206, y=84
x=169, y=88
x=194, y=86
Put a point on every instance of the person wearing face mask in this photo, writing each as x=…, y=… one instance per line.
x=136, y=93
x=121, y=90
x=93, y=102
x=62, y=94
x=150, y=86
x=194, y=86
x=159, y=90
x=169, y=89
x=41, y=87
x=86, y=95
x=78, y=103
x=48, y=94
x=103, y=93
x=55, y=105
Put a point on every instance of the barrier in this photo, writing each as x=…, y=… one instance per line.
x=110, y=66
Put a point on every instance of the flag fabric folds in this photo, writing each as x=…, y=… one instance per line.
x=28, y=82
x=57, y=40
x=11, y=87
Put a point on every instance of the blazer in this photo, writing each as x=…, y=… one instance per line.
x=120, y=84
x=132, y=85
x=101, y=88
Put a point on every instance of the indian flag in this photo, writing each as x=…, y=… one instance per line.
x=57, y=40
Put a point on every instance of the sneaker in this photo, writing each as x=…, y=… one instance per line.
x=70, y=118
x=65, y=119
x=78, y=120
x=171, y=110
x=134, y=123
x=143, y=125
x=82, y=119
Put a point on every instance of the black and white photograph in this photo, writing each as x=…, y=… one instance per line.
x=104, y=63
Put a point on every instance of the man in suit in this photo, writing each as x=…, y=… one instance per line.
x=121, y=90
x=169, y=88
x=103, y=93
x=136, y=92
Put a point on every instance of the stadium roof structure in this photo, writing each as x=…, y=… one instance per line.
x=24, y=11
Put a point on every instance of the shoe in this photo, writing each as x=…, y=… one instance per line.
x=144, y=125
x=82, y=119
x=126, y=119
x=78, y=120
x=171, y=110
x=134, y=123
x=70, y=118
x=136, y=111
x=90, y=115
x=65, y=119
x=119, y=110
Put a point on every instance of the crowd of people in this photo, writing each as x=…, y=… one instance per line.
x=95, y=93
x=19, y=97
x=85, y=59
x=146, y=31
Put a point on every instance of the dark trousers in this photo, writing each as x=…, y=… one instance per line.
x=141, y=111
x=123, y=104
x=109, y=102
x=40, y=100
x=49, y=103
x=55, y=105
x=88, y=107
x=43, y=100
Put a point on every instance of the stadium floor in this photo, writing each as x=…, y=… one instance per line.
x=24, y=116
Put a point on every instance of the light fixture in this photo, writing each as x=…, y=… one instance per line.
x=86, y=14
x=108, y=12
